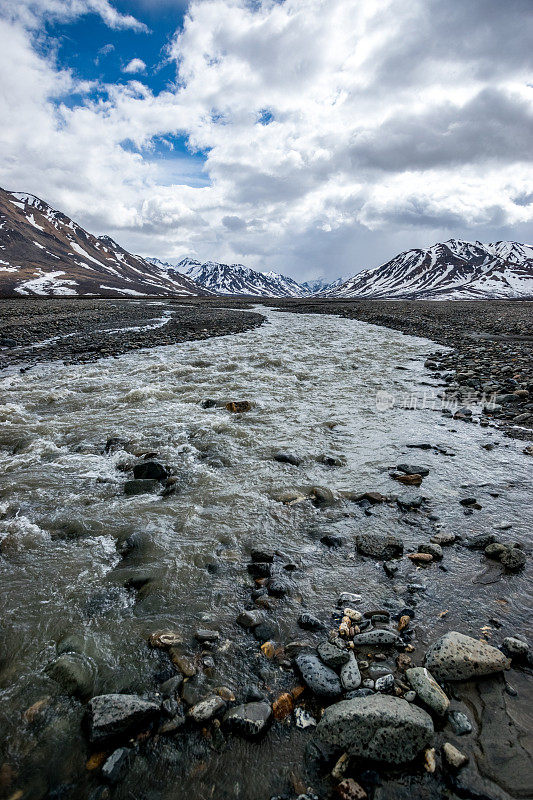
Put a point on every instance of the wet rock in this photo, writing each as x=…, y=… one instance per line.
x=332, y=540
x=170, y=707
x=150, y=470
x=377, y=637
x=407, y=480
x=287, y=458
x=309, y=622
x=379, y=727
x=262, y=556
x=379, y=545
x=333, y=656
x=165, y=638
x=348, y=599
x=453, y=757
x=116, y=765
x=207, y=709
x=238, y=406
x=183, y=662
x=322, y=496
x=428, y=689
x=350, y=674
x=443, y=539
x=481, y=541
x=115, y=443
x=205, y=635
x=260, y=569
x=249, y=719
x=135, y=487
x=250, y=619
x=279, y=586
x=432, y=549
x=390, y=568
x=322, y=680
x=364, y=691
x=348, y=789
x=385, y=684
x=470, y=502
x=456, y=657
x=460, y=723
x=330, y=460
x=513, y=559
x=111, y=715
x=283, y=706
x=173, y=725
x=75, y=672
x=495, y=550
x=413, y=469
x=515, y=647
x=265, y=631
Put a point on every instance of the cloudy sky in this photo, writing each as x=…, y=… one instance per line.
x=314, y=137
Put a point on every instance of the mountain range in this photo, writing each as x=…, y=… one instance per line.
x=452, y=270
x=44, y=252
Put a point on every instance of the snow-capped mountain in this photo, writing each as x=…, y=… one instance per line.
x=43, y=252
x=452, y=270
x=236, y=279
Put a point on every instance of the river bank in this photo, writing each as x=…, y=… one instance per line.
x=140, y=498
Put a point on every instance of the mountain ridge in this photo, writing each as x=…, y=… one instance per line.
x=451, y=270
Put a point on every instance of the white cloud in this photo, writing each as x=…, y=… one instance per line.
x=336, y=133
x=135, y=65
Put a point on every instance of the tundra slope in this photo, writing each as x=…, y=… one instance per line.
x=45, y=253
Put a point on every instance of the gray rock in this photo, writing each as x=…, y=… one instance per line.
x=317, y=676
x=331, y=655
x=515, y=647
x=249, y=719
x=453, y=757
x=362, y=692
x=208, y=708
x=433, y=549
x=170, y=687
x=150, y=470
x=309, y=622
x=379, y=545
x=250, y=619
x=205, y=635
x=75, y=672
x=116, y=765
x=428, y=689
x=350, y=675
x=514, y=559
x=443, y=538
x=460, y=723
x=456, y=657
x=385, y=684
x=287, y=458
x=347, y=599
x=382, y=637
x=113, y=715
x=410, y=696
x=140, y=487
x=379, y=727
x=413, y=469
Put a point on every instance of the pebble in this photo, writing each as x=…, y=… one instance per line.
x=348, y=599
x=385, y=684
x=379, y=545
x=249, y=719
x=332, y=655
x=348, y=789
x=304, y=719
x=381, y=637
x=515, y=646
x=204, y=635
x=453, y=757
x=430, y=762
x=250, y=619
x=322, y=680
x=460, y=723
x=413, y=469
x=350, y=674
x=116, y=765
x=433, y=549
x=309, y=622
x=428, y=690
x=287, y=458
x=283, y=706
x=410, y=696
x=206, y=709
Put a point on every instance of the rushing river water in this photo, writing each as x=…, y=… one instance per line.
x=312, y=382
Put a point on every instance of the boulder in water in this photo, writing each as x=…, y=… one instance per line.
x=456, y=657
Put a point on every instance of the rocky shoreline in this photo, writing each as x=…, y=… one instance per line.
x=80, y=330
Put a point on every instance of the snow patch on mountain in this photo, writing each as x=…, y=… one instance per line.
x=452, y=270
